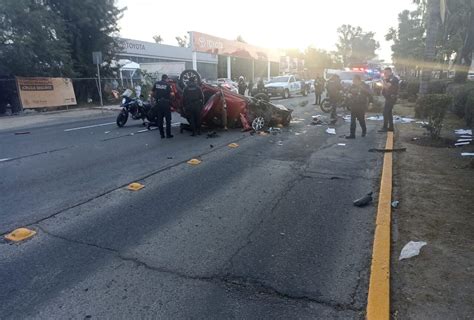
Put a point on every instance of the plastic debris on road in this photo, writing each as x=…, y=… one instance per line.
x=365, y=200
x=347, y=118
x=233, y=145
x=467, y=154
x=397, y=119
x=331, y=130
x=411, y=249
x=458, y=144
x=341, y=144
x=21, y=133
x=194, y=162
x=135, y=186
x=280, y=143
x=395, y=204
x=20, y=234
x=463, y=132
x=261, y=133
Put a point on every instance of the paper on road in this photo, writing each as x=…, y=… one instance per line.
x=331, y=130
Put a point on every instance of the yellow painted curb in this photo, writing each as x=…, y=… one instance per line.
x=135, y=186
x=378, y=301
x=20, y=234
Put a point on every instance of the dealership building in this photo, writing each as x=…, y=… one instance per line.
x=211, y=56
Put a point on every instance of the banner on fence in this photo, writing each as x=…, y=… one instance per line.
x=45, y=92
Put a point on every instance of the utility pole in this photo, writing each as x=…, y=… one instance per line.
x=432, y=29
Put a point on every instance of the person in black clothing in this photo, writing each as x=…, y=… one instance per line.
x=162, y=94
x=334, y=88
x=260, y=86
x=390, y=92
x=250, y=88
x=318, y=89
x=242, y=85
x=360, y=96
x=193, y=101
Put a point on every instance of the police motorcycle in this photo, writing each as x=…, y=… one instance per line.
x=135, y=107
x=343, y=102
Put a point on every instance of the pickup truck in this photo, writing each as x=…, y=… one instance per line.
x=285, y=86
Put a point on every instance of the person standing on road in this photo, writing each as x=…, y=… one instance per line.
x=360, y=96
x=260, y=86
x=162, y=94
x=318, y=89
x=250, y=88
x=390, y=92
x=242, y=85
x=193, y=101
x=334, y=88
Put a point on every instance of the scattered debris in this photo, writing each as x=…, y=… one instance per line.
x=467, y=154
x=233, y=145
x=169, y=158
x=211, y=146
x=415, y=139
x=395, y=204
x=261, y=133
x=341, y=144
x=194, y=162
x=280, y=143
x=135, y=186
x=20, y=234
x=22, y=132
x=395, y=119
x=463, y=132
x=411, y=249
x=365, y=200
x=297, y=133
x=458, y=144
x=464, y=140
x=107, y=132
x=331, y=130
x=347, y=118
x=304, y=103
x=212, y=134
x=274, y=131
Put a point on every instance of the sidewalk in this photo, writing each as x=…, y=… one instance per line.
x=32, y=118
x=434, y=185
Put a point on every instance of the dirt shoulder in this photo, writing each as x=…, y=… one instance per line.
x=435, y=187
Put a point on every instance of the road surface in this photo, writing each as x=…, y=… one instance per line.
x=263, y=231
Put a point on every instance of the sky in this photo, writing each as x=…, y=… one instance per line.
x=270, y=24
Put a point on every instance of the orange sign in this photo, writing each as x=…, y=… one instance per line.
x=206, y=43
x=45, y=92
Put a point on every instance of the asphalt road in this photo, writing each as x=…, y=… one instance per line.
x=263, y=231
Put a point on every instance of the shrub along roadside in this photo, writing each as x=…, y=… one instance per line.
x=433, y=107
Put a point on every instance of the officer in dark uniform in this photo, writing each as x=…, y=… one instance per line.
x=391, y=85
x=162, y=94
x=359, y=98
x=334, y=88
x=242, y=85
x=318, y=89
x=260, y=86
x=193, y=101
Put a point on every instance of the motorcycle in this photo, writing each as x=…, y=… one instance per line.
x=135, y=107
x=343, y=102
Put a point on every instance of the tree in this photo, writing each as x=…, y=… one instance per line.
x=240, y=39
x=354, y=45
x=32, y=40
x=408, y=38
x=316, y=60
x=90, y=26
x=182, y=41
x=158, y=38
x=432, y=29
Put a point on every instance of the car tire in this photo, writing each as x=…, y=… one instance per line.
x=305, y=92
x=286, y=94
x=185, y=75
x=326, y=106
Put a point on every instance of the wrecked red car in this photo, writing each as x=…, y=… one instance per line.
x=224, y=108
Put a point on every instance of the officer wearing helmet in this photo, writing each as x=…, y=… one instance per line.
x=193, y=101
x=162, y=94
x=242, y=85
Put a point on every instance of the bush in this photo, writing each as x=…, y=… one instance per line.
x=438, y=86
x=460, y=94
x=469, y=110
x=433, y=107
x=410, y=88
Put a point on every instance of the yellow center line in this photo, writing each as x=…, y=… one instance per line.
x=378, y=302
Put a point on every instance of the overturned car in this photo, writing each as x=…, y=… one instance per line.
x=224, y=108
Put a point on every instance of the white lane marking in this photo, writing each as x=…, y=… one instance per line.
x=87, y=127
x=5, y=159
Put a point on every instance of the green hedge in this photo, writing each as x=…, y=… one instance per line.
x=433, y=107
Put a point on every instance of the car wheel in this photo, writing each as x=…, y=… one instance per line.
x=286, y=94
x=305, y=92
x=326, y=106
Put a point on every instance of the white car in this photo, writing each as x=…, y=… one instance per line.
x=285, y=86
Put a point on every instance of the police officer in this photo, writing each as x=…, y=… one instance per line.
x=193, y=101
x=334, y=88
x=359, y=98
x=162, y=94
x=318, y=89
x=260, y=86
x=390, y=92
x=242, y=85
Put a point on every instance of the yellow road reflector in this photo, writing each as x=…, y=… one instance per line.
x=135, y=186
x=20, y=234
x=233, y=145
x=194, y=162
